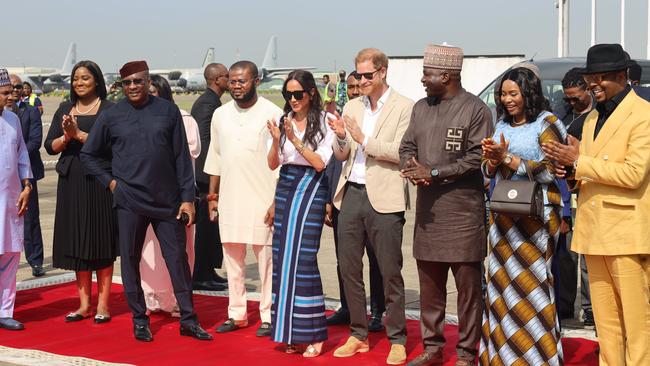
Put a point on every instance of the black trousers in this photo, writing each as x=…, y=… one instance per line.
x=566, y=281
x=358, y=220
x=207, y=244
x=377, y=306
x=171, y=234
x=33, y=236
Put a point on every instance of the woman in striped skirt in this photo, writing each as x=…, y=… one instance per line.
x=302, y=145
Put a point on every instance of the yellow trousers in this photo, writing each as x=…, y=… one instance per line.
x=620, y=296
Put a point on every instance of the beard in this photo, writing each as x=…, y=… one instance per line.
x=248, y=96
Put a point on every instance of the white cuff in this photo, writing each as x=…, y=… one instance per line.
x=365, y=142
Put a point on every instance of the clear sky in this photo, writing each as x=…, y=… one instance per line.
x=176, y=33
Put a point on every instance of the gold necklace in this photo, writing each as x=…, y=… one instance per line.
x=89, y=110
x=517, y=123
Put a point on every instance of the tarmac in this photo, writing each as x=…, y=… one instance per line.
x=326, y=257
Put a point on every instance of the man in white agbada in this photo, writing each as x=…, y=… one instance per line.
x=242, y=189
x=15, y=173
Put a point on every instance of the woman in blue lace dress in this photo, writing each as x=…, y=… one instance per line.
x=520, y=324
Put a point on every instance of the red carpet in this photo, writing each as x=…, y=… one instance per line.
x=43, y=309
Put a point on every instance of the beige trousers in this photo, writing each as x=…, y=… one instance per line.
x=620, y=296
x=234, y=255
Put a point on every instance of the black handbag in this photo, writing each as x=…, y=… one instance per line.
x=518, y=198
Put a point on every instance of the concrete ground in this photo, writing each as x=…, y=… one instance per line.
x=326, y=256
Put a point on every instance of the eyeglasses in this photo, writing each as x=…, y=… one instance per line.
x=220, y=76
x=571, y=99
x=238, y=82
x=296, y=94
x=367, y=75
x=128, y=82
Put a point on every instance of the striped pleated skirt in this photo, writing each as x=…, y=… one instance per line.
x=298, y=310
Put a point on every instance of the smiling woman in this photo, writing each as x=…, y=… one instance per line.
x=85, y=225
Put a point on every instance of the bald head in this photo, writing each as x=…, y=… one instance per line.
x=216, y=77
x=213, y=70
x=15, y=79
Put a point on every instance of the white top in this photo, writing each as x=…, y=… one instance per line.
x=14, y=167
x=370, y=117
x=289, y=154
x=238, y=154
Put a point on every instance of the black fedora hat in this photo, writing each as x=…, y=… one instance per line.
x=606, y=57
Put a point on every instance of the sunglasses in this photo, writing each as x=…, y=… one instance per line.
x=128, y=82
x=597, y=78
x=572, y=99
x=296, y=94
x=367, y=75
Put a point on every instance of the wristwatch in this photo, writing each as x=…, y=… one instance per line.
x=434, y=173
x=575, y=165
x=508, y=159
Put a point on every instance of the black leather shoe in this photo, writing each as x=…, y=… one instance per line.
x=339, y=317
x=38, y=271
x=11, y=324
x=375, y=324
x=142, y=333
x=231, y=325
x=218, y=279
x=264, y=330
x=427, y=359
x=209, y=286
x=195, y=331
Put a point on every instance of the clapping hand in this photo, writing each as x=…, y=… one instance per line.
x=355, y=131
x=337, y=125
x=416, y=173
x=495, y=152
x=70, y=126
x=564, y=154
x=288, y=129
x=274, y=130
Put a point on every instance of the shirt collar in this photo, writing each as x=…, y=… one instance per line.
x=380, y=102
x=610, y=105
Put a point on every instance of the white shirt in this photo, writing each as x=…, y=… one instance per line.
x=289, y=154
x=370, y=117
x=237, y=154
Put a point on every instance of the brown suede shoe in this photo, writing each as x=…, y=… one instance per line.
x=397, y=355
x=351, y=347
x=427, y=359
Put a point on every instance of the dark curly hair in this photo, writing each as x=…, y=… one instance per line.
x=573, y=78
x=313, y=131
x=531, y=90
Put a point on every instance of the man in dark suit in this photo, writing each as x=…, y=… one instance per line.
x=207, y=244
x=32, y=128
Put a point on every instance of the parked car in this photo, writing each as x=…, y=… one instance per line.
x=552, y=71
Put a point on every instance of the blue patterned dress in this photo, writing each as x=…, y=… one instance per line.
x=520, y=324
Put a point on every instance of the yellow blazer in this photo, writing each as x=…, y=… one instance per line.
x=386, y=189
x=613, y=216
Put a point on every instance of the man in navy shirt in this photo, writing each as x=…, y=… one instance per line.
x=152, y=183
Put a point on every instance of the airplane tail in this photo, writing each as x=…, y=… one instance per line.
x=209, y=57
x=70, y=59
x=271, y=55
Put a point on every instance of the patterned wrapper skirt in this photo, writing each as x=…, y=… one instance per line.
x=298, y=311
x=520, y=324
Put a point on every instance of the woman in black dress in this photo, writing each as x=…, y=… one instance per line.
x=85, y=226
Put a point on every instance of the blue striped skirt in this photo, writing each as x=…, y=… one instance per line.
x=298, y=310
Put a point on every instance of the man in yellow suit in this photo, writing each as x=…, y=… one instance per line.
x=612, y=228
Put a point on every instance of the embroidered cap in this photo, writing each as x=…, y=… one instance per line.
x=4, y=78
x=443, y=57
